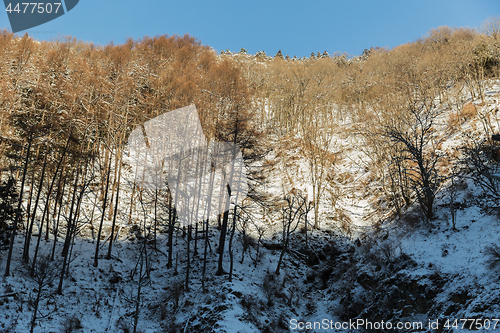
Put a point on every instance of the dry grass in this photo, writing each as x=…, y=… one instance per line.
x=457, y=119
x=345, y=177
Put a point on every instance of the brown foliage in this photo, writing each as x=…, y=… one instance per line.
x=457, y=119
x=98, y=93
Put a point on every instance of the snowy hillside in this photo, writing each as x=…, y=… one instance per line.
x=373, y=189
x=399, y=271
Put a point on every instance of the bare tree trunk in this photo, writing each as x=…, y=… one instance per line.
x=204, y=269
x=28, y=207
x=286, y=235
x=56, y=227
x=116, y=177
x=171, y=217
x=108, y=256
x=195, y=252
x=222, y=241
x=305, y=231
x=230, y=245
x=225, y=220
x=131, y=204
x=156, y=217
x=206, y=225
x=137, y=307
x=188, y=267
x=96, y=255
x=35, y=310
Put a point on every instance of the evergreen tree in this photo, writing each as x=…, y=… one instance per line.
x=366, y=53
x=8, y=199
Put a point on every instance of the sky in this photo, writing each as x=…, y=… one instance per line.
x=294, y=27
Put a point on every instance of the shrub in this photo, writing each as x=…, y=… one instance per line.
x=272, y=287
x=8, y=199
x=492, y=253
x=71, y=324
x=252, y=307
x=125, y=326
x=456, y=119
x=390, y=249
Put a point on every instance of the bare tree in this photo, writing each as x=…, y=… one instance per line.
x=43, y=273
x=478, y=160
x=415, y=132
x=32, y=129
x=104, y=203
x=27, y=240
x=291, y=211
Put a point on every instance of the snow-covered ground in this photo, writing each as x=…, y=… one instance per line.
x=439, y=273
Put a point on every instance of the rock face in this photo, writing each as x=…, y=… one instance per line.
x=385, y=297
x=402, y=291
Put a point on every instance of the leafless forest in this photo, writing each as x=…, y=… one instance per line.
x=67, y=109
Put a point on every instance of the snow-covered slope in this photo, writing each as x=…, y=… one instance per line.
x=374, y=267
